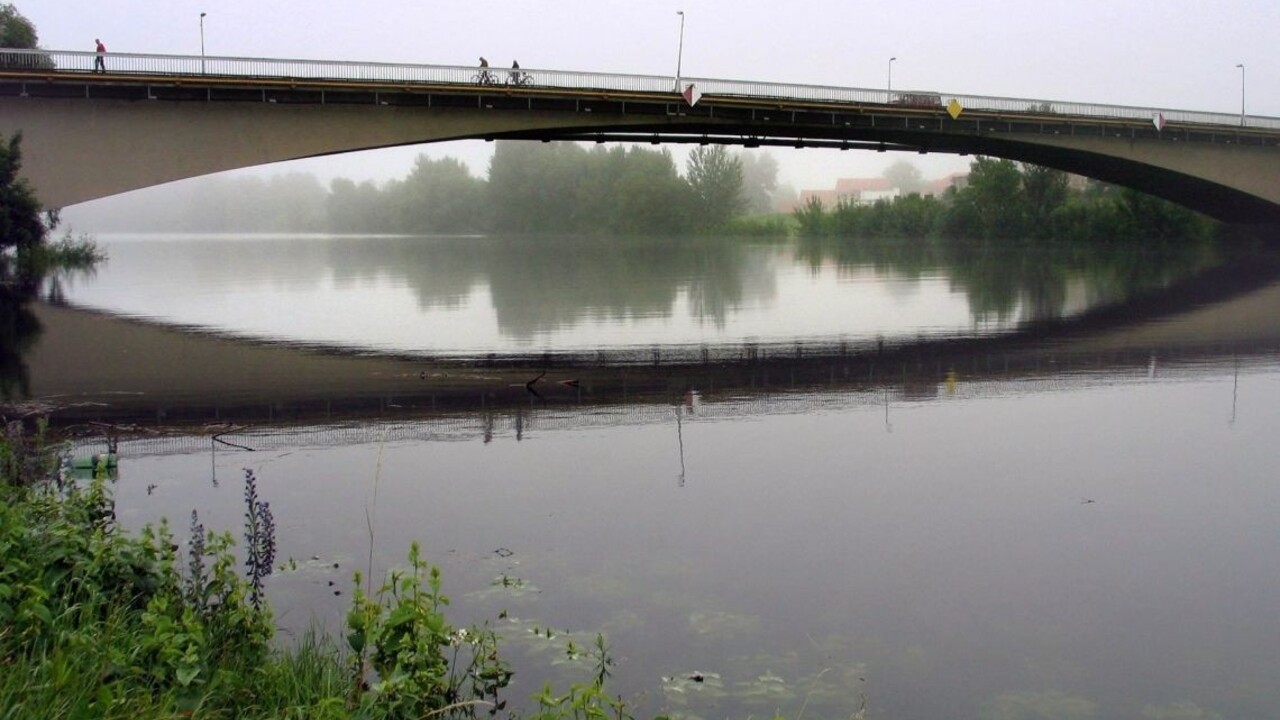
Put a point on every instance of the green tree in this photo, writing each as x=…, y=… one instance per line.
x=533, y=187
x=356, y=208
x=649, y=196
x=16, y=31
x=563, y=188
x=1144, y=216
x=437, y=196
x=810, y=218
x=716, y=179
x=1044, y=191
x=759, y=181
x=294, y=202
x=991, y=205
x=915, y=216
x=905, y=176
x=596, y=198
x=19, y=33
x=20, y=226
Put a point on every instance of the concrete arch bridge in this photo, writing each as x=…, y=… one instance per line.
x=149, y=119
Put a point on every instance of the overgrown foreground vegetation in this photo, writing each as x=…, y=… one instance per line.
x=97, y=622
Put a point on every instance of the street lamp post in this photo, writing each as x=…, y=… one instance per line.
x=202, y=42
x=889, y=85
x=1241, y=66
x=680, y=50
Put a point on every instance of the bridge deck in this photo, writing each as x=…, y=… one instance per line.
x=49, y=73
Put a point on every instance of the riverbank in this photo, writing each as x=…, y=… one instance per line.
x=103, y=622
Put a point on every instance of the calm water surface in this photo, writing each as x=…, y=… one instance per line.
x=1093, y=541
x=474, y=296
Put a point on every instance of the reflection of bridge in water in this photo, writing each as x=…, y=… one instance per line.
x=784, y=391
x=88, y=366
x=172, y=117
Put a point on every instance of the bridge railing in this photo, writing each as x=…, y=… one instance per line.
x=219, y=67
x=924, y=100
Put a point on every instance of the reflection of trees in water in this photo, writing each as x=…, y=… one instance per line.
x=19, y=327
x=540, y=284
x=721, y=283
x=441, y=271
x=536, y=283
x=18, y=332
x=1002, y=279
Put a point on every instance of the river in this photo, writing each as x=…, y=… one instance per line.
x=806, y=478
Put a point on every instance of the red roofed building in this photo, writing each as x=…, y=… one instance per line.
x=865, y=191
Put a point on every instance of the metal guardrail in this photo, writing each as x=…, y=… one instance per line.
x=218, y=67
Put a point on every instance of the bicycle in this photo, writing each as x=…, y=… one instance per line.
x=484, y=77
x=519, y=79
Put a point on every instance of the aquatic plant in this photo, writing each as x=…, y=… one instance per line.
x=408, y=661
x=259, y=537
x=584, y=700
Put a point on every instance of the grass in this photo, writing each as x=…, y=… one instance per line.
x=776, y=226
x=307, y=681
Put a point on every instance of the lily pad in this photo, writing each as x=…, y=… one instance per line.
x=504, y=587
x=694, y=686
x=720, y=625
x=1178, y=711
x=550, y=646
x=766, y=689
x=1037, y=705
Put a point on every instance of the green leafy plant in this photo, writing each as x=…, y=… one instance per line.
x=408, y=660
x=99, y=622
x=102, y=616
x=584, y=701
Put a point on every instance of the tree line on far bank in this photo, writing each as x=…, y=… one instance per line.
x=531, y=188
x=566, y=188
x=550, y=187
x=1007, y=201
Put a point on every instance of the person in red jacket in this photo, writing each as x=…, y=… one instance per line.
x=100, y=63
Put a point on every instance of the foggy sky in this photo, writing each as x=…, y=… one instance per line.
x=1178, y=54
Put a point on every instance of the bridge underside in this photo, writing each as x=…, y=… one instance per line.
x=79, y=145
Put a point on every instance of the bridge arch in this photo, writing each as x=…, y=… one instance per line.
x=158, y=119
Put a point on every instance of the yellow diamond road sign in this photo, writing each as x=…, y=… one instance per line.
x=954, y=108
